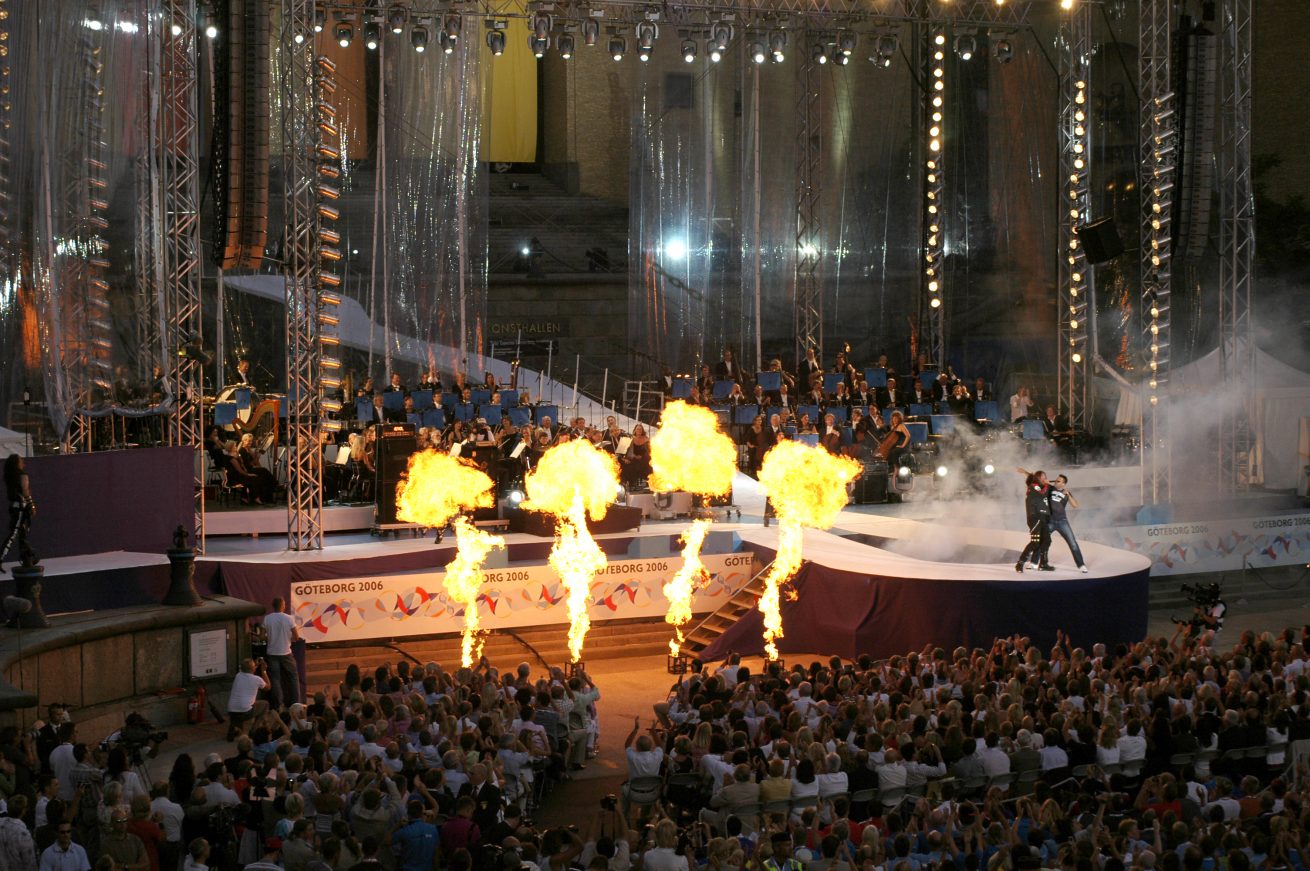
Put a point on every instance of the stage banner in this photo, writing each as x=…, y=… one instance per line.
x=1215, y=545
x=396, y=606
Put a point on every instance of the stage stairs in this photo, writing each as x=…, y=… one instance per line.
x=740, y=603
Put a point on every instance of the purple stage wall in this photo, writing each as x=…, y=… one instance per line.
x=111, y=500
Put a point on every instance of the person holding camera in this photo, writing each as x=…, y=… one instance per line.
x=244, y=695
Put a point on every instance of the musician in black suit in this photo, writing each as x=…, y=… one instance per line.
x=917, y=395
x=431, y=380
x=981, y=392
x=396, y=385
x=727, y=368
x=892, y=394
x=809, y=367
x=863, y=395
x=942, y=387
x=243, y=374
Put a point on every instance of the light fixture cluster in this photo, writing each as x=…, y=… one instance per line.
x=1159, y=180
x=326, y=194
x=1077, y=199
x=934, y=186
x=6, y=120
x=886, y=45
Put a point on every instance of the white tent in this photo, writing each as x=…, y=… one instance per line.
x=12, y=443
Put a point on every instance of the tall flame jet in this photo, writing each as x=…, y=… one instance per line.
x=437, y=490
x=574, y=480
x=690, y=453
x=807, y=486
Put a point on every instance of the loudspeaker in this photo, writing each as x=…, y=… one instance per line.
x=871, y=487
x=396, y=443
x=1101, y=242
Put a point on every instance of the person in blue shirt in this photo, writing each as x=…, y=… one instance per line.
x=415, y=842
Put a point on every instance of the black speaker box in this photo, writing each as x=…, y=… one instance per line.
x=1101, y=242
x=396, y=442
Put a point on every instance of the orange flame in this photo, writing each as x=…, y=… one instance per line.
x=691, y=453
x=807, y=487
x=682, y=586
x=436, y=490
x=574, y=480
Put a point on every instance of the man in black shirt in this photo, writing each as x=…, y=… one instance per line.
x=1060, y=498
x=1038, y=511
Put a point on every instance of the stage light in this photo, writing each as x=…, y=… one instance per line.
x=1077, y=358
x=447, y=47
x=538, y=45
x=565, y=45
x=808, y=250
x=643, y=55
x=757, y=53
x=1066, y=4
x=840, y=59
x=778, y=45
x=846, y=42
x=689, y=50
x=818, y=54
x=942, y=471
x=320, y=20
x=453, y=25
x=344, y=33
x=618, y=46
x=176, y=30
x=646, y=33
x=514, y=497
x=93, y=24
x=675, y=249
x=904, y=472
x=936, y=303
x=496, y=42
x=590, y=32
x=989, y=469
x=965, y=46
x=396, y=17
x=371, y=33
x=418, y=37
x=720, y=36
x=541, y=25
x=1003, y=49
x=525, y=251
x=211, y=31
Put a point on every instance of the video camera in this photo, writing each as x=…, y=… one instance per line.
x=1203, y=598
x=137, y=734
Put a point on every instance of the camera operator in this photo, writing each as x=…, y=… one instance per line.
x=1208, y=610
x=241, y=701
x=608, y=837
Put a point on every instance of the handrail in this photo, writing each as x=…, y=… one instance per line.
x=687, y=635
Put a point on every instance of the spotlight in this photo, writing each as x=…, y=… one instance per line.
x=344, y=33
x=514, y=497
x=675, y=249
x=618, y=47
x=888, y=45
x=496, y=42
x=942, y=471
x=418, y=37
x=396, y=17
x=936, y=303
x=541, y=25
x=590, y=32
x=211, y=32
x=839, y=58
x=965, y=46
x=846, y=42
x=94, y=24
x=525, y=251
x=904, y=472
x=320, y=20
x=447, y=45
x=1003, y=49
x=453, y=24
x=176, y=30
x=1066, y=4
x=538, y=44
x=757, y=53
x=989, y=469
x=720, y=36
x=777, y=45
x=371, y=33
x=689, y=50
x=564, y=42
x=818, y=54
x=643, y=55
x=646, y=33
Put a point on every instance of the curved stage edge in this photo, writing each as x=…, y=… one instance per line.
x=853, y=598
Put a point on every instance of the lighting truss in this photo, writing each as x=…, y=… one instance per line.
x=1236, y=244
x=1158, y=171
x=302, y=142
x=1074, y=289
x=179, y=176
x=809, y=168
x=933, y=282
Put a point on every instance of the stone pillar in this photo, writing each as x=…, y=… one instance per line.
x=181, y=572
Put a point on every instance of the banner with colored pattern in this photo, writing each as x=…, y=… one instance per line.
x=1215, y=545
x=393, y=606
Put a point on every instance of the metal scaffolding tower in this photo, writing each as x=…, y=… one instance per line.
x=809, y=166
x=300, y=143
x=1236, y=245
x=933, y=279
x=179, y=177
x=1157, y=174
x=1075, y=288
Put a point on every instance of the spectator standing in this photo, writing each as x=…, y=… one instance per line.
x=284, y=681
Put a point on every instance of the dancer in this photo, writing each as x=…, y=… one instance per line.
x=18, y=493
x=1038, y=510
x=1061, y=498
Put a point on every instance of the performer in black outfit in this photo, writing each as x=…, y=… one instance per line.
x=18, y=493
x=1039, y=523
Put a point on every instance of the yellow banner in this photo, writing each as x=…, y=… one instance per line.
x=509, y=98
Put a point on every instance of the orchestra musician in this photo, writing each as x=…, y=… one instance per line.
x=896, y=444
x=759, y=440
x=635, y=464
x=396, y=385
x=727, y=368
x=249, y=456
x=243, y=374
x=809, y=367
x=431, y=380
x=806, y=426
x=831, y=436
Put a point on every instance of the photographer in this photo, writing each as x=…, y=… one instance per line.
x=608, y=837
x=1208, y=610
x=241, y=701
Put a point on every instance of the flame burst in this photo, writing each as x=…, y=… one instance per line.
x=682, y=586
x=690, y=453
x=687, y=432
x=807, y=487
x=437, y=489
x=574, y=480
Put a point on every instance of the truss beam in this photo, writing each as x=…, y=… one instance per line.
x=809, y=169
x=1074, y=290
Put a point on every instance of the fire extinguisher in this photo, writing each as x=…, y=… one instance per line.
x=195, y=706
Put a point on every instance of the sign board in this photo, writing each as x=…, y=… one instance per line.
x=391, y=606
x=1215, y=545
x=207, y=653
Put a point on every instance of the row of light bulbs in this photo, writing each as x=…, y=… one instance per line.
x=1160, y=187
x=935, y=186
x=1076, y=131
